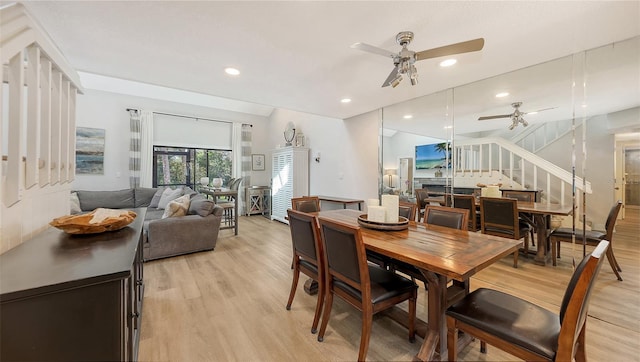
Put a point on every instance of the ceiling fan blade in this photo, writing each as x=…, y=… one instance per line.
x=391, y=77
x=457, y=48
x=375, y=50
x=540, y=110
x=494, y=117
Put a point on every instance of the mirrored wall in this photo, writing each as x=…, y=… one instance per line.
x=552, y=133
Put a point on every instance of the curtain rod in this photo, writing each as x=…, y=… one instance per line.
x=191, y=117
x=183, y=116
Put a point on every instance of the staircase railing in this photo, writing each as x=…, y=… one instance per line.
x=505, y=162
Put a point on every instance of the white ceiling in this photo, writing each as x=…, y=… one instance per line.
x=296, y=54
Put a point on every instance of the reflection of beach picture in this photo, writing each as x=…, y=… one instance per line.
x=89, y=151
x=431, y=156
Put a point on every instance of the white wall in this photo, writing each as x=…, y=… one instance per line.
x=348, y=151
x=106, y=110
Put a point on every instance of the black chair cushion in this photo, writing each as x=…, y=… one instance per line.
x=309, y=266
x=592, y=235
x=384, y=285
x=511, y=319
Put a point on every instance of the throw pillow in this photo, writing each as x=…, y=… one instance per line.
x=156, y=197
x=186, y=190
x=201, y=206
x=168, y=194
x=177, y=207
x=75, y=204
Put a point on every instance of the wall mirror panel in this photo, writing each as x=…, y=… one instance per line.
x=582, y=100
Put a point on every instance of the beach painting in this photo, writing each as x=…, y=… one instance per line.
x=432, y=156
x=89, y=151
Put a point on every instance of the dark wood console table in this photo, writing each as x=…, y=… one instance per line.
x=73, y=297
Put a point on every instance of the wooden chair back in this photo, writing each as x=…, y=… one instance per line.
x=446, y=216
x=467, y=202
x=522, y=196
x=499, y=217
x=408, y=210
x=306, y=203
x=421, y=195
x=307, y=257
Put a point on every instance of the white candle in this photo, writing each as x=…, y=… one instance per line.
x=373, y=202
x=376, y=213
x=391, y=204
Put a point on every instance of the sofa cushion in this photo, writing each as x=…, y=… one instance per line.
x=156, y=197
x=74, y=207
x=200, y=205
x=120, y=199
x=177, y=207
x=168, y=195
x=188, y=191
x=143, y=196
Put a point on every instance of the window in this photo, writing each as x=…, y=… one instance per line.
x=178, y=166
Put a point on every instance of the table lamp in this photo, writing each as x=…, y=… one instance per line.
x=390, y=172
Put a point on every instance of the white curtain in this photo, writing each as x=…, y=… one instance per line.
x=146, y=148
x=134, y=148
x=241, y=143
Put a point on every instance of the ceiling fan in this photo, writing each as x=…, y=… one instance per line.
x=516, y=116
x=404, y=60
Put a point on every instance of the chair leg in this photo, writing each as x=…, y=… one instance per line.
x=612, y=262
x=294, y=285
x=614, y=258
x=325, y=314
x=483, y=347
x=319, y=305
x=367, y=321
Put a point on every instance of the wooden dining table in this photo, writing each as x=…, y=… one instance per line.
x=539, y=211
x=441, y=254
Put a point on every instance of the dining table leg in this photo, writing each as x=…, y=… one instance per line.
x=435, y=342
x=542, y=254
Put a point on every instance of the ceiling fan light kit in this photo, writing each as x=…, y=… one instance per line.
x=404, y=60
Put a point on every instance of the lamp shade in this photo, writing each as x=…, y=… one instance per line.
x=390, y=171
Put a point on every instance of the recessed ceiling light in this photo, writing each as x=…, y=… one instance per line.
x=345, y=100
x=231, y=71
x=407, y=116
x=448, y=62
x=448, y=127
x=534, y=112
x=584, y=106
x=502, y=94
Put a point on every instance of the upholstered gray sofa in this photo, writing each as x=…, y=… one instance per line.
x=171, y=236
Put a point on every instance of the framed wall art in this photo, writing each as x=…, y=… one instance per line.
x=257, y=162
x=89, y=151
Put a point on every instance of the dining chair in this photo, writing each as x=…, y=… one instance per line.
x=524, y=329
x=367, y=287
x=446, y=216
x=307, y=257
x=592, y=238
x=523, y=196
x=434, y=215
x=499, y=217
x=421, y=196
x=408, y=210
x=229, y=204
x=468, y=202
x=306, y=203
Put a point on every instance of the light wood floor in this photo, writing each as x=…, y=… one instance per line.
x=229, y=304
